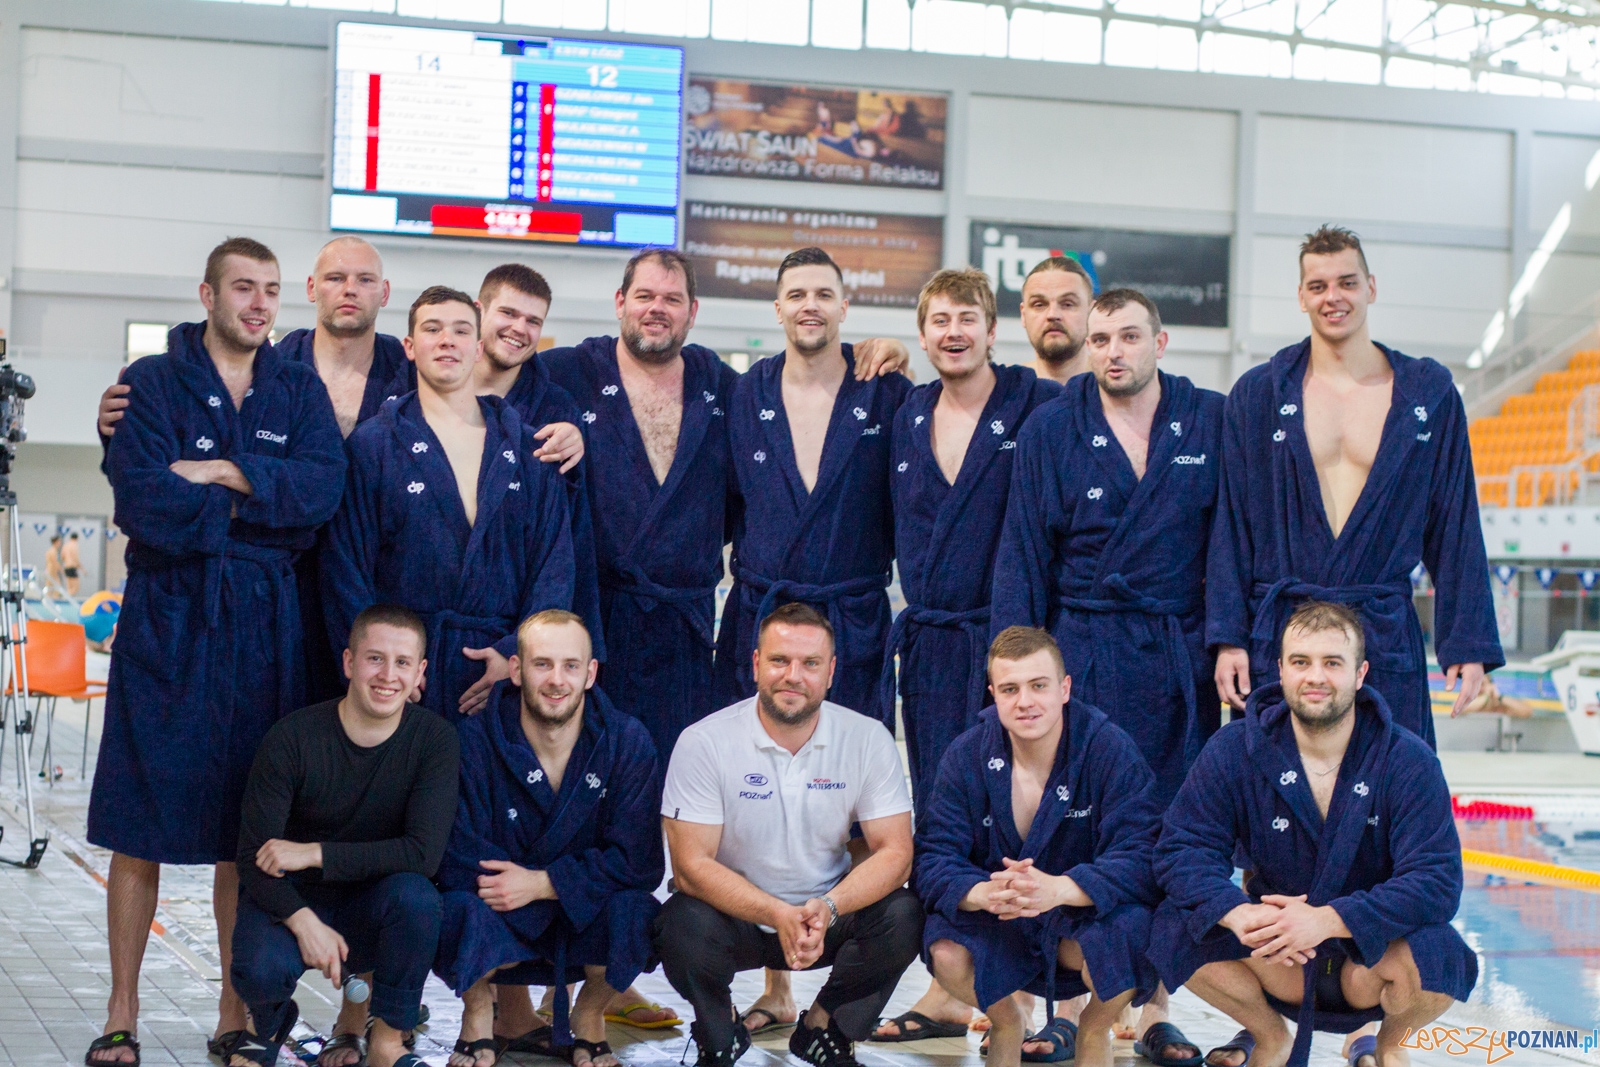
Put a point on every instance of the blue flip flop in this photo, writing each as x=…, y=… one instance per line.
x=1365, y=1045
x=1063, y=1038
x=1242, y=1042
x=1158, y=1037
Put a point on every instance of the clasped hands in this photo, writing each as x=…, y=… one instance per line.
x=801, y=930
x=1020, y=891
x=512, y=887
x=1283, y=929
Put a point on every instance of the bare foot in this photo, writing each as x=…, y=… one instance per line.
x=768, y=1010
x=116, y=1053
x=639, y=1011
x=477, y=1023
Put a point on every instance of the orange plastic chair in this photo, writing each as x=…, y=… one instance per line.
x=55, y=659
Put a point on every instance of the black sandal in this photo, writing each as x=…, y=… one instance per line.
x=595, y=1049
x=535, y=1042
x=470, y=1049
x=115, y=1039
x=349, y=1041
x=222, y=1044
x=251, y=1047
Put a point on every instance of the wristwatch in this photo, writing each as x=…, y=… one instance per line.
x=832, y=907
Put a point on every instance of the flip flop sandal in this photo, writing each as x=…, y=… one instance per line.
x=535, y=1042
x=345, y=1042
x=1063, y=1038
x=1159, y=1036
x=115, y=1039
x=265, y=1053
x=772, y=1023
x=659, y=1024
x=1245, y=1043
x=222, y=1044
x=470, y=1049
x=1365, y=1045
x=926, y=1028
x=595, y=1049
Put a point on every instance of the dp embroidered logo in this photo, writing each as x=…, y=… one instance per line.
x=1280, y=824
x=997, y=427
x=1288, y=778
x=1099, y=440
x=415, y=487
x=214, y=401
x=1177, y=429
x=511, y=813
x=511, y=457
x=419, y=447
x=918, y=420
x=1279, y=436
x=767, y=415
x=760, y=457
x=1420, y=412
x=609, y=390
x=205, y=444
x=709, y=396
x=996, y=763
x=535, y=776
x=1288, y=409
x=1096, y=493
x=902, y=467
x=859, y=413
x=593, y=780
x=1063, y=793
x=1361, y=789
x=588, y=416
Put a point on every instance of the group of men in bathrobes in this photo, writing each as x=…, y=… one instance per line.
x=1157, y=546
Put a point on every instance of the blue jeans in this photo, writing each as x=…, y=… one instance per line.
x=391, y=926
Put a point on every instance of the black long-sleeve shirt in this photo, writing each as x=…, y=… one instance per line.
x=376, y=811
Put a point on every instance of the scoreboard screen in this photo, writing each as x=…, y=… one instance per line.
x=451, y=133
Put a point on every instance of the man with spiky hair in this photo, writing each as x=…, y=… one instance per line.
x=448, y=513
x=1344, y=465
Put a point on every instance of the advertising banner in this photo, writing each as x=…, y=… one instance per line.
x=1186, y=274
x=742, y=129
x=736, y=249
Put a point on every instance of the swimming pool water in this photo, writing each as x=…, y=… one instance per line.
x=1538, y=945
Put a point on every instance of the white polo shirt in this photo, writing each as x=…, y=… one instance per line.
x=785, y=819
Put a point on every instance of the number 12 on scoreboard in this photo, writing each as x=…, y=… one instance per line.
x=603, y=77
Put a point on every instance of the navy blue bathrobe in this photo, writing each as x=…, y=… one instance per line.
x=1387, y=857
x=599, y=839
x=209, y=649
x=831, y=548
x=324, y=671
x=1096, y=823
x=1114, y=567
x=945, y=539
x=658, y=546
x=540, y=401
x=401, y=537
x=1272, y=547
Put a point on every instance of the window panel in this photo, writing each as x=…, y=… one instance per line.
x=1139, y=44
x=889, y=24
x=836, y=23
x=1070, y=38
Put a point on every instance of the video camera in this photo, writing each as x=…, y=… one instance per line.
x=15, y=387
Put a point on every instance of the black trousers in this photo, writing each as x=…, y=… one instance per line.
x=702, y=949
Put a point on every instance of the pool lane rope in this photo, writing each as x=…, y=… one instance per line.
x=1551, y=873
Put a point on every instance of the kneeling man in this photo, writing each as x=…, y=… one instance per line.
x=1355, y=863
x=346, y=813
x=555, y=851
x=759, y=802
x=1033, y=858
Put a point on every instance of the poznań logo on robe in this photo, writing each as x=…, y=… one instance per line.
x=1185, y=274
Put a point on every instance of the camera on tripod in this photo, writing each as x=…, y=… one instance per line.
x=15, y=387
